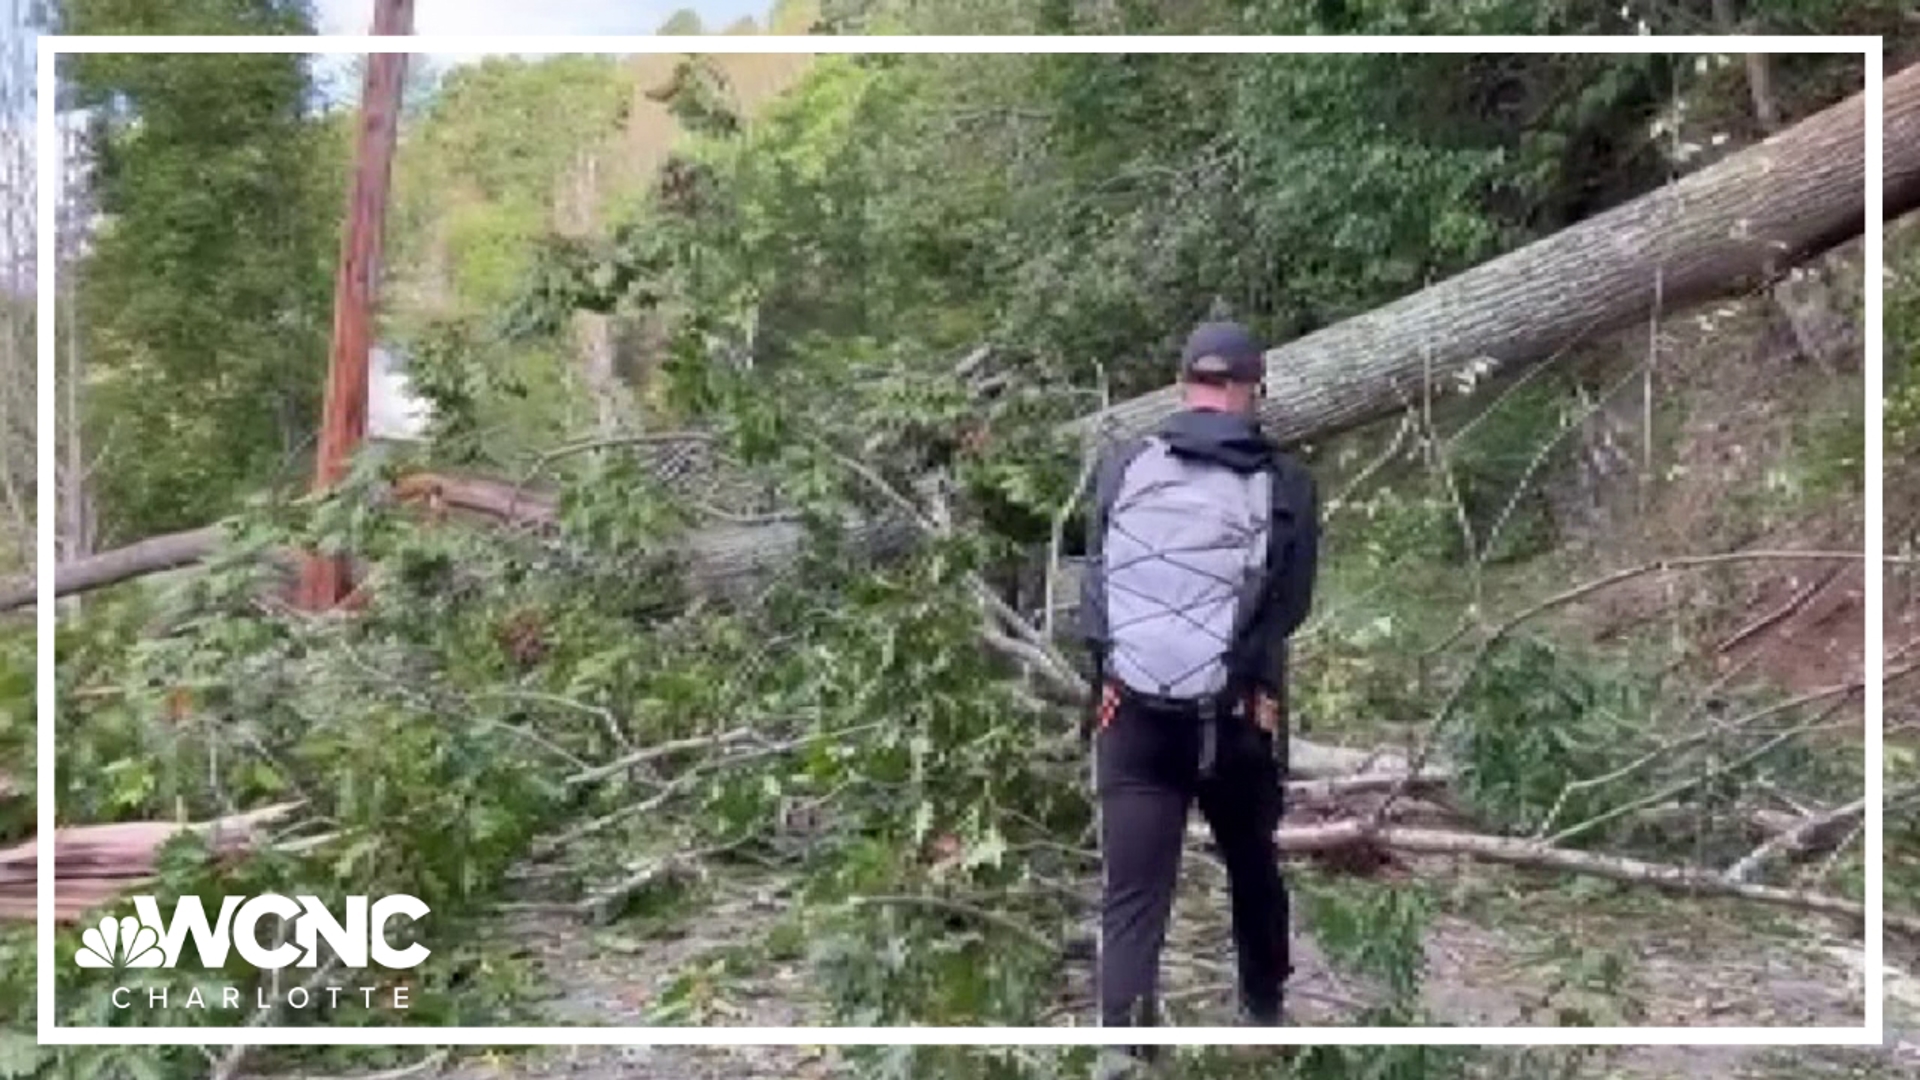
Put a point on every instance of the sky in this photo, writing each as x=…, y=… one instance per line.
x=509, y=17
x=536, y=16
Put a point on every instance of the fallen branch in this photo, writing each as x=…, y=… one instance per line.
x=605, y=905
x=956, y=907
x=1814, y=834
x=1307, y=760
x=150, y=556
x=724, y=555
x=1686, y=784
x=430, y=1063
x=1533, y=854
x=1333, y=788
x=679, y=784
x=598, y=442
x=236, y=1055
x=1797, y=840
x=1666, y=747
x=657, y=751
x=1785, y=611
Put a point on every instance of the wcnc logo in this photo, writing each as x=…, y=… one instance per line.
x=152, y=942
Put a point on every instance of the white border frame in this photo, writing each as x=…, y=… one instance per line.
x=49, y=150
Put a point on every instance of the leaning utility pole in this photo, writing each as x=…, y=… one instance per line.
x=326, y=580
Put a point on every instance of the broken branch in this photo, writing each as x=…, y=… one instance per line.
x=1534, y=854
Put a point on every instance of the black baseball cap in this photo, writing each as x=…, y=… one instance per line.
x=1223, y=351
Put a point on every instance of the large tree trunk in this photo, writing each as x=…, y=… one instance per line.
x=76, y=502
x=1725, y=228
x=1766, y=113
x=576, y=213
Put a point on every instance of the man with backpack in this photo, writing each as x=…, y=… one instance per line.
x=1202, y=547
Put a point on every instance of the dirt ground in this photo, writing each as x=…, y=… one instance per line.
x=1721, y=966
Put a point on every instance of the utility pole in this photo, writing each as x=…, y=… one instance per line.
x=326, y=580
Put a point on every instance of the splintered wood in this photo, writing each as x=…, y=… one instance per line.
x=95, y=865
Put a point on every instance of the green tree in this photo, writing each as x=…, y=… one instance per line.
x=205, y=299
x=684, y=22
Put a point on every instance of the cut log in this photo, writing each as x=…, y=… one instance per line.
x=95, y=864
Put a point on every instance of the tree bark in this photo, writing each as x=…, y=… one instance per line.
x=1536, y=855
x=150, y=556
x=1725, y=228
x=1766, y=114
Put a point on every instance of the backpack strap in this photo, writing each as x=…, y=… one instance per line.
x=1262, y=492
x=1109, y=477
x=1292, y=564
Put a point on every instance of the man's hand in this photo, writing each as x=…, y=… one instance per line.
x=1109, y=704
x=1268, y=713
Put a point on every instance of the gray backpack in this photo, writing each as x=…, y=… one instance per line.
x=1185, y=565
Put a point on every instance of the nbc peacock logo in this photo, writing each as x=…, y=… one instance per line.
x=125, y=942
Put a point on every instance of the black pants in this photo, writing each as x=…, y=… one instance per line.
x=1146, y=775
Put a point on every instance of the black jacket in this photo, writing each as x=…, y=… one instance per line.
x=1260, y=657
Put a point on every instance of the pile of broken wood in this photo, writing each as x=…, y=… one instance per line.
x=97, y=864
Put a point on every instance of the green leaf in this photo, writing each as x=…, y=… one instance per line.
x=987, y=850
x=19, y=1055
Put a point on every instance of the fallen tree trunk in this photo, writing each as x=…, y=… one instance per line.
x=720, y=560
x=1722, y=230
x=150, y=556
x=1725, y=228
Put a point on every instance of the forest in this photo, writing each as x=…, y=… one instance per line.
x=711, y=654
